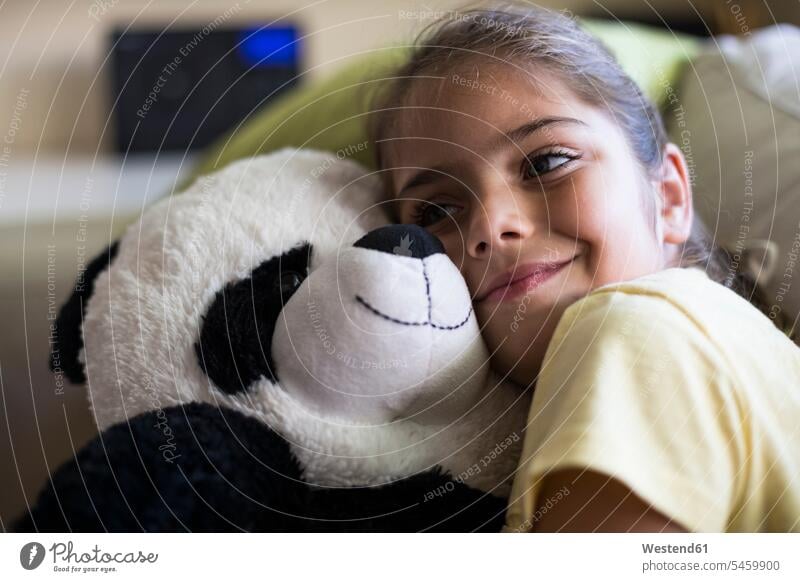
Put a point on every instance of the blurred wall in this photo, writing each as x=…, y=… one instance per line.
x=55, y=52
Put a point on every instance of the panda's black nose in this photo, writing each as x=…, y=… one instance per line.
x=407, y=240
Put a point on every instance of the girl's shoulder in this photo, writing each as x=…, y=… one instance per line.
x=679, y=307
x=689, y=288
x=690, y=292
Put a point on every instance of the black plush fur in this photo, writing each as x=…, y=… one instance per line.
x=235, y=345
x=202, y=468
x=68, y=334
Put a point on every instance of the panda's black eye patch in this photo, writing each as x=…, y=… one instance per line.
x=235, y=344
x=288, y=282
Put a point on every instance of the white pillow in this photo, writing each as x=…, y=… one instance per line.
x=736, y=117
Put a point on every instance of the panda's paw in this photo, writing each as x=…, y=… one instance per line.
x=430, y=501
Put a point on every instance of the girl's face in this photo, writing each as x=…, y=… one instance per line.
x=536, y=196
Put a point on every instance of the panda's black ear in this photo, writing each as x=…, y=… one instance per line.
x=67, y=342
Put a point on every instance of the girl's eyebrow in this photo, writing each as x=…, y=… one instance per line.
x=527, y=129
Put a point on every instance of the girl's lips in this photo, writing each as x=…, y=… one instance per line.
x=525, y=284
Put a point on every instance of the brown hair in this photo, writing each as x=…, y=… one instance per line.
x=532, y=35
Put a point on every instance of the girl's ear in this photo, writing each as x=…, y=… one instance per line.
x=675, y=189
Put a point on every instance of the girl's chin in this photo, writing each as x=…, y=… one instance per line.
x=523, y=323
x=530, y=306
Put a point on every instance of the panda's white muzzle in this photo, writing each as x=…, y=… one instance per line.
x=384, y=332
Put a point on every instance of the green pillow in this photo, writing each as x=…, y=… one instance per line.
x=330, y=114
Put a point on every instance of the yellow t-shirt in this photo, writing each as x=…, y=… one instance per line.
x=682, y=390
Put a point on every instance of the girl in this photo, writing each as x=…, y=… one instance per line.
x=664, y=400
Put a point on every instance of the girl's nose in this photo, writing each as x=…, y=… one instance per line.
x=498, y=220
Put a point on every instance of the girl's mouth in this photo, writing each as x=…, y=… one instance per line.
x=525, y=279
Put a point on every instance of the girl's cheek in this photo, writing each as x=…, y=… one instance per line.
x=453, y=246
x=565, y=218
x=581, y=205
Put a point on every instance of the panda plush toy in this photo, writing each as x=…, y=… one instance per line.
x=265, y=352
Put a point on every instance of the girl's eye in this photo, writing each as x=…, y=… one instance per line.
x=539, y=165
x=429, y=213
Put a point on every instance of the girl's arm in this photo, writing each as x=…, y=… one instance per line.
x=596, y=503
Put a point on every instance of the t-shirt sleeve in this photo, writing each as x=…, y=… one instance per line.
x=633, y=388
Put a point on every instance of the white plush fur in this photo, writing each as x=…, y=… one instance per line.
x=387, y=402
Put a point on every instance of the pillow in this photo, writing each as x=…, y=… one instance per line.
x=737, y=117
x=331, y=114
